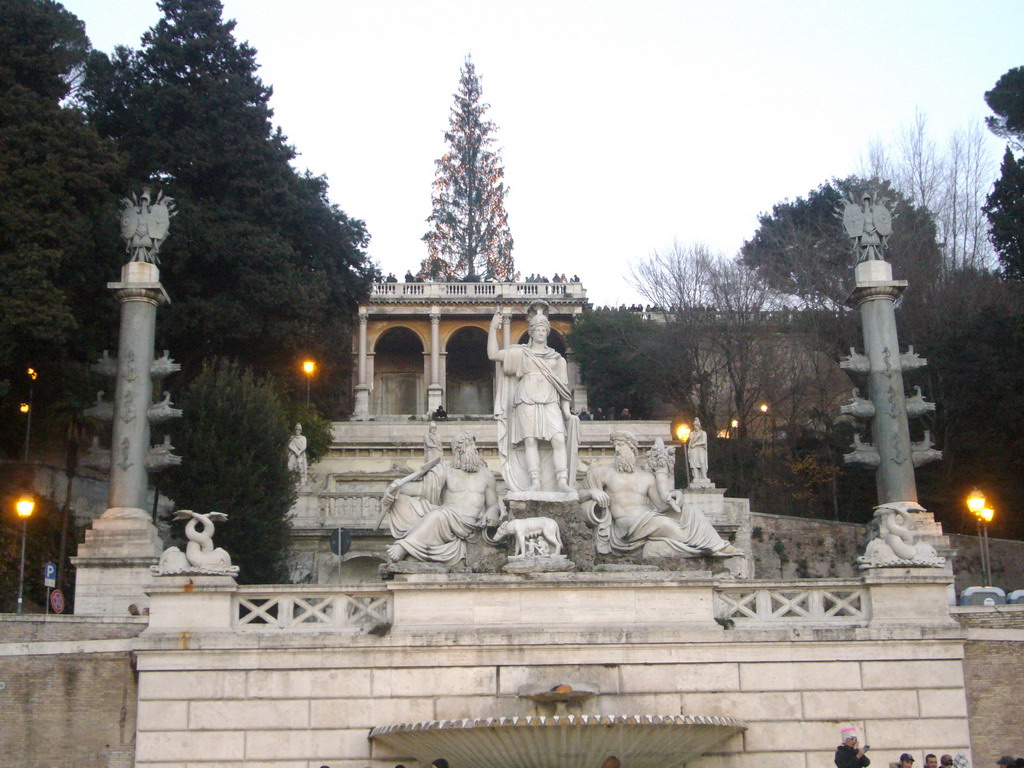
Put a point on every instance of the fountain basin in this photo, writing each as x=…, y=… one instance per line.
x=569, y=741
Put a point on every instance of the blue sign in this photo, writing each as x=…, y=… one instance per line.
x=50, y=575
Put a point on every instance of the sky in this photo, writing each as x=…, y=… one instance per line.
x=624, y=126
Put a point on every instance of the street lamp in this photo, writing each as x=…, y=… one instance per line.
x=24, y=505
x=26, y=408
x=309, y=368
x=976, y=503
x=683, y=434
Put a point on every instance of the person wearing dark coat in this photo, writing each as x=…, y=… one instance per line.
x=849, y=754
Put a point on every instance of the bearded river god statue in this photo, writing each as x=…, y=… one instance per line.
x=433, y=511
x=538, y=437
x=625, y=506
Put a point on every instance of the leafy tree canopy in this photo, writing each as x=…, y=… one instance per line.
x=57, y=182
x=470, y=238
x=259, y=264
x=233, y=442
x=802, y=249
x=1006, y=99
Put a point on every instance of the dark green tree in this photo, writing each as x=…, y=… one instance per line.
x=232, y=440
x=1006, y=99
x=1005, y=211
x=802, y=249
x=469, y=236
x=1005, y=204
x=57, y=200
x=260, y=265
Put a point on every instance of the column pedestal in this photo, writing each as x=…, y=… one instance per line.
x=361, y=410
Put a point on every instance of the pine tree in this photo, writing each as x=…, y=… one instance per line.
x=470, y=238
x=232, y=440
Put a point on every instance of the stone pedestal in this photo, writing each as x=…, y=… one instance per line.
x=577, y=538
x=707, y=499
x=361, y=407
x=113, y=563
x=434, y=396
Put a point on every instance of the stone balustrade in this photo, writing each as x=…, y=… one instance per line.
x=314, y=608
x=481, y=291
x=832, y=602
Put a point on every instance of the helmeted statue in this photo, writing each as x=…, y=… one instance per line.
x=868, y=225
x=145, y=223
x=538, y=436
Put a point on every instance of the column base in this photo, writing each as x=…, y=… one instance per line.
x=435, y=395
x=361, y=412
x=113, y=563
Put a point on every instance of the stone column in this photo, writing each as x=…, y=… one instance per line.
x=361, y=409
x=113, y=562
x=875, y=295
x=435, y=390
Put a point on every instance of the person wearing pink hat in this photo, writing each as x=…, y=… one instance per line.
x=849, y=754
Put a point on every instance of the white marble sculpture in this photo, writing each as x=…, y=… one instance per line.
x=297, y=455
x=624, y=506
x=868, y=225
x=432, y=448
x=538, y=437
x=697, y=457
x=534, y=536
x=894, y=543
x=432, y=512
x=145, y=223
x=200, y=556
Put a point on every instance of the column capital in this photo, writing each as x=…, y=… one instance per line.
x=435, y=318
x=151, y=293
x=363, y=318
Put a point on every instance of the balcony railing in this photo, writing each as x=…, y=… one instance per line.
x=487, y=292
x=777, y=604
x=311, y=609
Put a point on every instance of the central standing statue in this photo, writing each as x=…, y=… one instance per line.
x=538, y=436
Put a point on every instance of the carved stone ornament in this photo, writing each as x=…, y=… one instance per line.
x=200, y=557
x=534, y=536
x=145, y=223
x=893, y=543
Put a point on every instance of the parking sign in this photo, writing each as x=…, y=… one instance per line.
x=50, y=575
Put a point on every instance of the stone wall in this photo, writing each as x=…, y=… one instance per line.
x=993, y=671
x=68, y=693
x=464, y=648
x=806, y=548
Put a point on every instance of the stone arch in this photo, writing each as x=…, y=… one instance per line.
x=469, y=373
x=398, y=372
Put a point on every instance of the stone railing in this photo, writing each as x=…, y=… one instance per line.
x=793, y=603
x=312, y=608
x=478, y=291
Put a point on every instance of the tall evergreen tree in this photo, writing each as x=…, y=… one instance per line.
x=469, y=236
x=260, y=265
x=1005, y=205
x=232, y=440
x=57, y=200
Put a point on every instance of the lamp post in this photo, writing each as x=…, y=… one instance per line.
x=309, y=368
x=26, y=408
x=24, y=505
x=984, y=514
x=683, y=434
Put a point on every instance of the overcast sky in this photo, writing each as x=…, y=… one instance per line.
x=623, y=125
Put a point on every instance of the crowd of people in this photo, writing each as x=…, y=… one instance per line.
x=421, y=277
x=850, y=754
x=599, y=414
